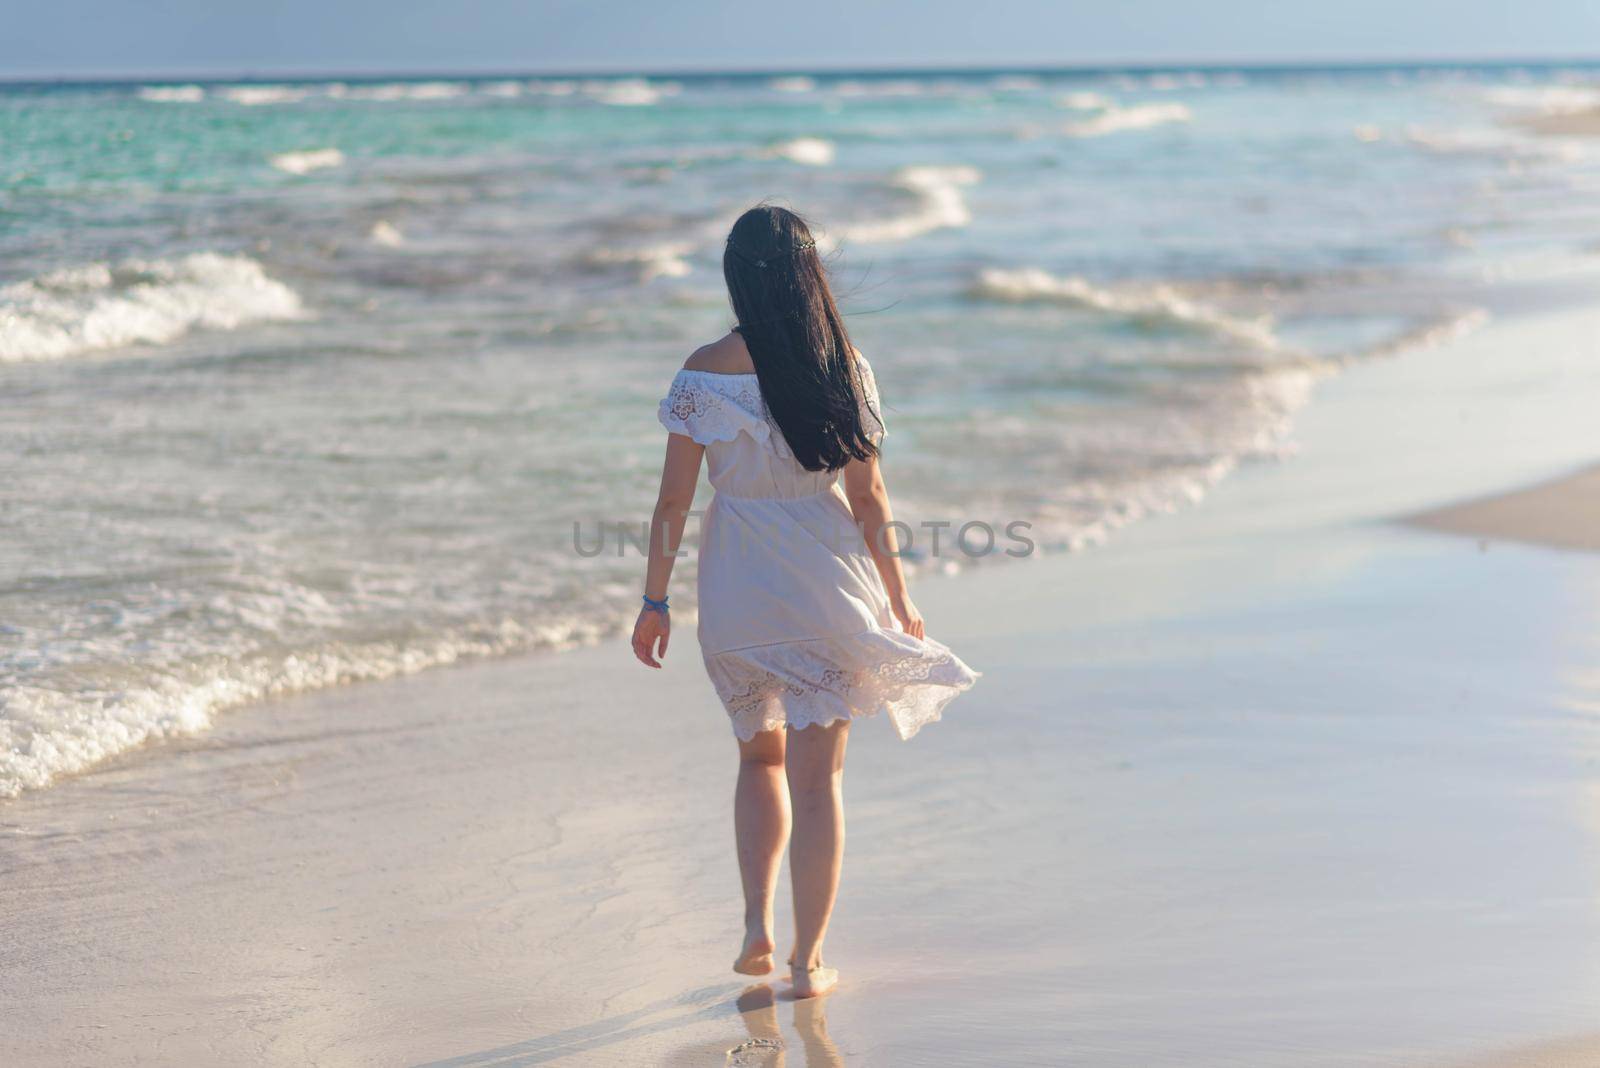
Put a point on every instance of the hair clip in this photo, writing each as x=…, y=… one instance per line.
x=804, y=246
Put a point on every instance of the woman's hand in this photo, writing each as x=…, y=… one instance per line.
x=652, y=627
x=906, y=612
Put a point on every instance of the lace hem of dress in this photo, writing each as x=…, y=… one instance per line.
x=822, y=680
x=716, y=410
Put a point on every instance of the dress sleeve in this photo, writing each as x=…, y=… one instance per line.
x=709, y=408
x=871, y=406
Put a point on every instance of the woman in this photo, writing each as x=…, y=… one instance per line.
x=805, y=622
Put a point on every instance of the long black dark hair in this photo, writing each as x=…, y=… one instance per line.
x=796, y=337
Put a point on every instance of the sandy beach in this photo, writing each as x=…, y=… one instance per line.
x=1582, y=123
x=1564, y=513
x=1273, y=781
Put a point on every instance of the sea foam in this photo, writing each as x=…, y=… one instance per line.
x=1159, y=304
x=308, y=160
x=648, y=261
x=260, y=95
x=1545, y=99
x=47, y=732
x=1138, y=117
x=387, y=234
x=628, y=92
x=939, y=205
x=1083, y=101
x=812, y=151
x=1494, y=144
x=173, y=94
x=105, y=306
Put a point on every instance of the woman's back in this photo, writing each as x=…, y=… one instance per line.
x=716, y=400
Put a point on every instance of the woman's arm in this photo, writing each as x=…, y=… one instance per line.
x=869, y=503
x=680, y=475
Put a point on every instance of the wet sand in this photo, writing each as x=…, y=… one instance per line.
x=1271, y=782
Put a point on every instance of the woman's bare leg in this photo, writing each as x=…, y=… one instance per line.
x=816, y=781
x=760, y=829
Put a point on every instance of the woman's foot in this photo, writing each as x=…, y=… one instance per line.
x=756, y=956
x=813, y=983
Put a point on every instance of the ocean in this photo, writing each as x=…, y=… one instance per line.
x=310, y=382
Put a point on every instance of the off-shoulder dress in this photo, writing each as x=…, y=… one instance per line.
x=795, y=625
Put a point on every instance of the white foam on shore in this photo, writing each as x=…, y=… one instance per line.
x=101, y=306
x=308, y=160
x=1139, y=117
x=939, y=205
x=173, y=94
x=811, y=151
x=46, y=733
x=1427, y=334
x=796, y=84
x=1158, y=303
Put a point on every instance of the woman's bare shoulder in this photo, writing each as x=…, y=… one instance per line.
x=724, y=356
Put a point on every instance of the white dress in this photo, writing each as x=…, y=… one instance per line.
x=795, y=624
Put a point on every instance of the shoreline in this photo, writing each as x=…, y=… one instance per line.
x=1209, y=791
x=250, y=697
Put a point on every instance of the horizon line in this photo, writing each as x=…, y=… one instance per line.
x=822, y=70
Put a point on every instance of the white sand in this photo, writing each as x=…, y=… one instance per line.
x=1585, y=123
x=1570, y=1053
x=1263, y=784
x=1564, y=513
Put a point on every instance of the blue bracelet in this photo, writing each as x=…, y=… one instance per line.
x=651, y=605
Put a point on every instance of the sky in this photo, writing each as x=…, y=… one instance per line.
x=224, y=37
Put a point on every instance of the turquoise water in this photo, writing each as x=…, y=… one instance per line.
x=309, y=382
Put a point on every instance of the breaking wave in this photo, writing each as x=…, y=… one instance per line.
x=939, y=205
x=46, y=733
x=308, y=160
x=812, y=151
x=628, y=92
x=647, y=262
x=172, y=94
x=1140, y=117
x=105, y=306
x=1159, y=304
x=260, y=95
